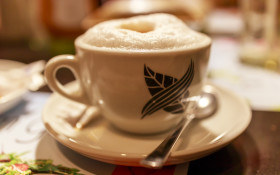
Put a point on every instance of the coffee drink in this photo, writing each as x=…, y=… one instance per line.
x=141, y=72
x=144, y=33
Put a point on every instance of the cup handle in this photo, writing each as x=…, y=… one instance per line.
x=70, y=62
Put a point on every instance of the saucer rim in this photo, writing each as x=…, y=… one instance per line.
x=132, y=159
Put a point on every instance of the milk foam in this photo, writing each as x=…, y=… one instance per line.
x=147, y=32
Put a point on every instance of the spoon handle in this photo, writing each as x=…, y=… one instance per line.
x=158, y=157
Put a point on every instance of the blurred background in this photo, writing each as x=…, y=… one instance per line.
x=244, y=55
x=40, y=29
x=33, y=30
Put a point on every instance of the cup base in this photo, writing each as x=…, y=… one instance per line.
x=146, y=129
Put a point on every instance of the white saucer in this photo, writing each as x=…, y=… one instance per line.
x=13, y=97
x=101, y=141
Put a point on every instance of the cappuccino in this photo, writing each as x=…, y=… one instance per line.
x=141, y=73
x=149, y=32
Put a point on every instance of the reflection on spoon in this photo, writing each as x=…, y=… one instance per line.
x=206, y=106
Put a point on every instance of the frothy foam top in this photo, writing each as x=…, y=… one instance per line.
x=147, y=32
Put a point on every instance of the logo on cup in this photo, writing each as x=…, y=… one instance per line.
x=167, y=92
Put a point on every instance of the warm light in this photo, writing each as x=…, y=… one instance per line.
x=203, y=102
x=101, y=102
x=138, y=6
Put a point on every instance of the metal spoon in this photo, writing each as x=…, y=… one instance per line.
x=206, y=106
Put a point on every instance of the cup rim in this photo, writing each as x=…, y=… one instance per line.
x=105, y=50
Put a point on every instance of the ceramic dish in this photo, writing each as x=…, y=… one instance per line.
x=12, y=97
x=102, y=141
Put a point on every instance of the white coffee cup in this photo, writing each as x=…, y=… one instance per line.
x=137, y=90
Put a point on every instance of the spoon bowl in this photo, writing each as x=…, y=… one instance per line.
x=206, y=106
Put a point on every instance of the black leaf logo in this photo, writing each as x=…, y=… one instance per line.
x=167, y=92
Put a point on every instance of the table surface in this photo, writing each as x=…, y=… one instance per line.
x=256, y=151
